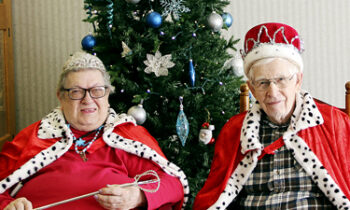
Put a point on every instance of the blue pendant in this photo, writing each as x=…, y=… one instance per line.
x=80, y=142
x=182, y=125
x=192, y=73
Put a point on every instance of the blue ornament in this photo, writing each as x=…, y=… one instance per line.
x=88, y=42
x=228, y=20
x=192, y=73
x=154, y=19
x=182, y=125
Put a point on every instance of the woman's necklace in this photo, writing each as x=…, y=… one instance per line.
x=80, y=142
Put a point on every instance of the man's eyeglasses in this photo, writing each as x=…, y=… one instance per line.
x=280, y=82
x=79, y=93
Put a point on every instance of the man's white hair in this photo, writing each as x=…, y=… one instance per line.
x=265, y=61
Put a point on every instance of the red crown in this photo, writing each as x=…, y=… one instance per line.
x=272, y=33
x=272, y=40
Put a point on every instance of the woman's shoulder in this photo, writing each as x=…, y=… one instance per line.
x=29, y=130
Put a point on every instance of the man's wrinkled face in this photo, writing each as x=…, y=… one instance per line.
x=275, y=85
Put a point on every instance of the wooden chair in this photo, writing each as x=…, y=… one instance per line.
x=244, y=98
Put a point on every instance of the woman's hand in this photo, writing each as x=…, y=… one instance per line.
x=19, y=204
x=120, y=198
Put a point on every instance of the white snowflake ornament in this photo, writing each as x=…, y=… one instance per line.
x=174, y=7
x=158, y=64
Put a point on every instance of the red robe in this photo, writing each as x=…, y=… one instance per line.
x=28, y=153
x=329, y=142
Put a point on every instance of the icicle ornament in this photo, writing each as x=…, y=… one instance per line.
x=192, y=73
x=182, y=125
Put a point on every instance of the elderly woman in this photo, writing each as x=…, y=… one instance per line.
x=84, y=146
x=288, y=151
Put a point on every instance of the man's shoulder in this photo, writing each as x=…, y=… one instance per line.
x=328, y=110
x=234, y=124
x=236, y=119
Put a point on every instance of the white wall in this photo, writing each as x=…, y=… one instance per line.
x=47, y=31
x=324, y=27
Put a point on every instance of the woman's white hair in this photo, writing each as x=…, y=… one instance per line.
x=81, y=61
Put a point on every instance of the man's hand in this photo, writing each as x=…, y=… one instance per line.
x=115, y=197
x=19, y=204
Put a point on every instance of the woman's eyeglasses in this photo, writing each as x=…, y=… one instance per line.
x=79, y=93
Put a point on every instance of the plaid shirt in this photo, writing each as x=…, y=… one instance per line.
x=278, y=181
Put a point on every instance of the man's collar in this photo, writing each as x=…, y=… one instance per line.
x=305, y=115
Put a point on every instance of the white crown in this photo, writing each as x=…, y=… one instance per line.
x=83, y=60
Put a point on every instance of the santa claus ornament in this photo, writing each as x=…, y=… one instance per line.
x=206, y=133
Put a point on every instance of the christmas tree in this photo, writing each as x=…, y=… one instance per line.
x=166, y=59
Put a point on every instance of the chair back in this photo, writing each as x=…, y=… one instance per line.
x=244, y=98
x=347, y=98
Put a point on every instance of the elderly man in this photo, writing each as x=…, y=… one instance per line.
x=288, y=151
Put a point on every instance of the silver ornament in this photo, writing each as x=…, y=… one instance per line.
x=237, y=65
x=139, y=113
x=215, y=21
x=133, y=1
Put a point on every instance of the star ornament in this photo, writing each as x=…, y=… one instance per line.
x=126, y=50
x=158, y=64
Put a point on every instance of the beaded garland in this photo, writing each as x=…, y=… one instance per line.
x=80, y=142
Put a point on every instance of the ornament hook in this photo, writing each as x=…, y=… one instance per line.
x=208, y=119
x=181, y=100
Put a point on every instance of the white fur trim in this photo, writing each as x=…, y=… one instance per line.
x=265, y=50
x=237, y=180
